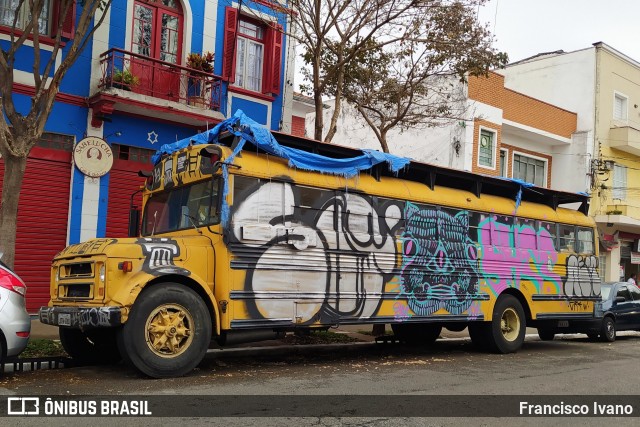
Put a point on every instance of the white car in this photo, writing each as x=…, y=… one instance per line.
x=15, y=323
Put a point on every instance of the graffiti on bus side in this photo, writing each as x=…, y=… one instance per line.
x=335, y=254
x=159, y=253
x=341, y=247
x=439, y=261
x=582, y=276
x=529, y=253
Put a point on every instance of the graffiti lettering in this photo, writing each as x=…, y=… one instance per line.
x=582, y=276
x=159, y=254
x=510, y=254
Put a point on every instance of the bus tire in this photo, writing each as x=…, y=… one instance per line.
x=416, y=333
x=95, y=346
x=168, y=331
x=508, y=326
x=546, y=334
x=608, y=330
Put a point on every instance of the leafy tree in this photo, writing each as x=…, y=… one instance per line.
x=20, y=131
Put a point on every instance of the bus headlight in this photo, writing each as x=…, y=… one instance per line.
x=102, y=273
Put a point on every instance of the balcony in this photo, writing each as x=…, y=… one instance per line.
x=625, y=138
x=136, y=84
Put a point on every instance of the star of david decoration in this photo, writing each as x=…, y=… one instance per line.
x=152, y=137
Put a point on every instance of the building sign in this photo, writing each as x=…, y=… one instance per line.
x=93, y=156
x=635, y=257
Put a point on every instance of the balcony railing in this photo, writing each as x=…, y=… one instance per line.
x=152, y=77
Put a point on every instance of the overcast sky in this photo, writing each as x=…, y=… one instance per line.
x=524, y=28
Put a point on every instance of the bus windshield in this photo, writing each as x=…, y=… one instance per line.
x=182, y=207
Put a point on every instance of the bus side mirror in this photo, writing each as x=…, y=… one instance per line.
x=134, y=222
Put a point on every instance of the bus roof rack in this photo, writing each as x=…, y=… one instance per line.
x=432, y=175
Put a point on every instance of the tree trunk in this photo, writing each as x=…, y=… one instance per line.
x=14, y=168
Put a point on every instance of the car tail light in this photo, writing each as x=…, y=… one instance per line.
x=12, y=282
x=24, y=334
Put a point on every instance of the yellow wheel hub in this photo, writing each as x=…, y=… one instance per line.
x=510, y=324
x=169, y=330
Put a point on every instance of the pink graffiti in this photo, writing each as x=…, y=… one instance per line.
x=510, y=254
x=401, y=311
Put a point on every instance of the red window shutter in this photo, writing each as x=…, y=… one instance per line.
x=229, y=55
x=276, y=60
x=69, y=22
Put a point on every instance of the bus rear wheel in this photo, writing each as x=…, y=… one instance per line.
x=416, y=333
x=168, y=331
x=508, y=326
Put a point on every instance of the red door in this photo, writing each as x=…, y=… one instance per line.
x=43, y=212
x=157, y=34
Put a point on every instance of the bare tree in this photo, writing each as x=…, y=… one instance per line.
x=344, y=28
x=414, y=82
x=20, y=132
x=339, y=37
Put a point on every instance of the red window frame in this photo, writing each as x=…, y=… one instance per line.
x=157, y=27
x=272, y=60
x=68, y=26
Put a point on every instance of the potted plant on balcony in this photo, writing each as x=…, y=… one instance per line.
x=204, y=64
x=124, y=79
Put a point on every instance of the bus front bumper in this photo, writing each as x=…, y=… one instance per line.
x=82, y=317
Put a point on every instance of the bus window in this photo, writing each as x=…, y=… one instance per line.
x=566, y=238
x=502, y=234
x=584, y=242
x=547, y=233
x=525, y=233
x=475, y=220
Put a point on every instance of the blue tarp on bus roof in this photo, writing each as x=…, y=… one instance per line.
x=249, y=130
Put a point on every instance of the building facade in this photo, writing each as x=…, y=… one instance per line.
x=137, y=86
x=502, y=133
x=603, y=86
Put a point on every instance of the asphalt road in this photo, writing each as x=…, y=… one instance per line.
x=561, y=368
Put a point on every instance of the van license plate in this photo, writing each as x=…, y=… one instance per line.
x=563, y=324
x=64, y=319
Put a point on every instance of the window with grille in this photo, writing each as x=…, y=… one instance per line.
x=487, y=148
x=56, y=141
x=133, y=154
x=529, y=169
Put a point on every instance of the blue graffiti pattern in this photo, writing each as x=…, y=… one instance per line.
x=439, y=261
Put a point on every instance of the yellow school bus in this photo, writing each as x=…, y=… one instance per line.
x=245, y=229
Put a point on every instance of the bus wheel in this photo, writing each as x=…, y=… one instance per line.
x=416, y=333
x=608, y=331
x=93, y=346
x=508, y=325
x=546, y=334
x=168, y=331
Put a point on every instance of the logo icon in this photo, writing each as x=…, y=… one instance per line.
x=23, y=406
